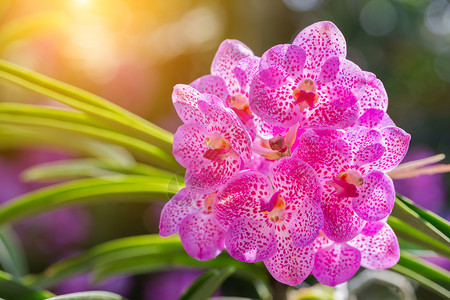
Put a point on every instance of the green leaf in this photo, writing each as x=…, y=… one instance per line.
x=207, y=284
x=14, y=290
x=438, y=222
x=154, y=154
x=141, y=255
x=424, y=273
x=12, y=256
x=95, y=295
x=84, y=101
x=92, y=190
x=411, y=227
x=15, y=137
x=429, y=270
x=91, y=167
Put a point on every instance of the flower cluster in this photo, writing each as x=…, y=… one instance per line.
x=286, y=158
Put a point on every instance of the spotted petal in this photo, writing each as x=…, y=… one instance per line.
x=340, y=79
x=290, y=265
x=335, y=264
x=175, y=211
x=189, y=145
x=212, y=85
x=230, y=52
x=241, y=197
x=376, y=197
x=305, y=223
x=245, y=70
x=375, y=119
x=250, y=240
x=341, y=223
x=320, y=41
x=201, y=236
x=366, y=145
x=396, y=141
x=297, y=182
x=275, y=106
x=375, y=96
x=324, y=150
x=379, y=250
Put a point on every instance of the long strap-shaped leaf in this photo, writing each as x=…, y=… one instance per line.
x=93, y=190
x=140, y=255
x=95, y=295
x=424, y=273
x=207, y=284
x=411, y=227
x=160, y=157
x=82, y=100
x=13, y=290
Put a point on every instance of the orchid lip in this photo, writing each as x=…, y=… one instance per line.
x=219, y=148
x=347, y=183
x=275, y=207
x=305, y=94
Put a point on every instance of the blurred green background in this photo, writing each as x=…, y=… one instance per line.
x=133, y=52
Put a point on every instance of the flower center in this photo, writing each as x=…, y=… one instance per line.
x=347, y=183
x=239, y=104
x=219, y=148
x=305, y=94
x=275, y=208
x=209, y=202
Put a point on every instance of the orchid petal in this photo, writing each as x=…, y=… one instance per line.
x=379, y=250
x=241, y=197
x=250, y=240
x=201, y=236
x=212, y=85
x=336, y=264
x=290, y=265
x=376, y=197
x=320, y=41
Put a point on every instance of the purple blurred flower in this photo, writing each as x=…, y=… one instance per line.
x=169, y=285
x=427, y=191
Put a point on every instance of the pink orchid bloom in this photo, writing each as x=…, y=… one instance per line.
x=212, y=144
x=191, y=215
x=309, y=81
x=272, y=224
x=351, y=167
x=375, y=248
x=232, y=72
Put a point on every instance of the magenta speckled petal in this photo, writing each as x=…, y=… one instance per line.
x=201, y=236
x=365, y=145
x=336, y=264
x=374, y=118
x=324, y=150
x=175, y=211
x=321, y=242
x=294, y=61
x=212, y=85
x=250, y=240
x=266, y=130
x=230, y=52
x=211, y=175
x=189, y=145
x=379, y=250
x=185, y=100
x=327, y=115
x=244, y=72
x=290, y=265
x=296, y=181
x=375, y=95
x=376, y=197
x=341, y=223
x=275, y=106
x=320, y=41
x=305, y=223
x=396, y=141
x=271, y=67
x=339, y=78
x=240, y=197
